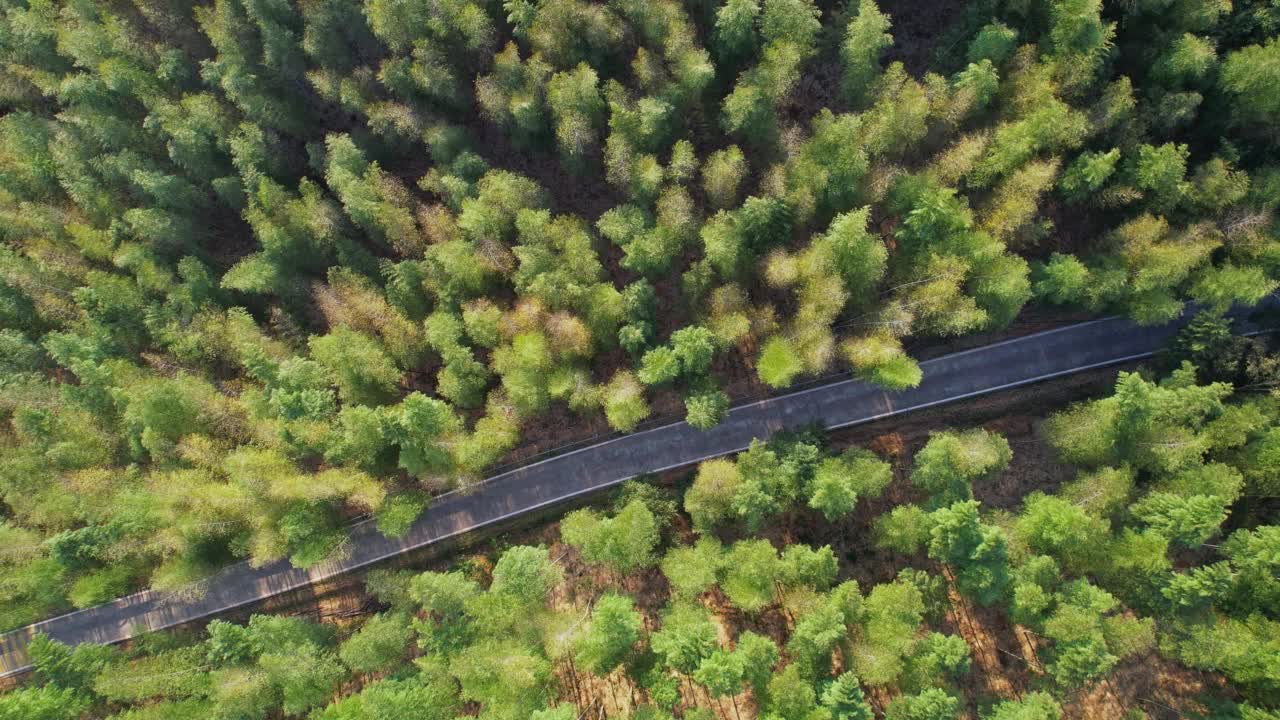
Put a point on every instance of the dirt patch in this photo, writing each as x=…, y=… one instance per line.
x=1162, y=689
x=996, y=671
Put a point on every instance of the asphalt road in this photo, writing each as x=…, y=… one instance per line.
x=987, y=369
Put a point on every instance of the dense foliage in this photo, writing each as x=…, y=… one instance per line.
x=266, y=266
x=1156, y=546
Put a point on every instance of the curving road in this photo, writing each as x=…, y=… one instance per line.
x=987, y=369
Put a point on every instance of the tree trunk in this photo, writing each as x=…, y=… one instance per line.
x=577, y=689
x=614, y=694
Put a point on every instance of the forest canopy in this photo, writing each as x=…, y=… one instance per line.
x=269, y=266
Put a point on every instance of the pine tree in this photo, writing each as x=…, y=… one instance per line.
x=691, y=570
x=722, y=176
x=932, y=704
x=527, y=574
x=838, y=483
x=950, y=462
x=578, y=109
x=978, y=552
x=865, y=39
x=752, y=568
x=624, y=543
x=686, y=638
x=1249, y=75
x=379, y=644
x=845, y=699
x=611, y=634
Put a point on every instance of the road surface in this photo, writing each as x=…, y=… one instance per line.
x=987, y=369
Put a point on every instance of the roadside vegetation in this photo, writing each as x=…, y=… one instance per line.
x=269, y=266
x=1156, y=558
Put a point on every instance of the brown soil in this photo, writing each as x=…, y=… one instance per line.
x=983, y=629
x=1162, y=689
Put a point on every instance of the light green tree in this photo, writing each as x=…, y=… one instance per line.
x=624, y=543
x=865, y=40
x=611, y=634
x=838, y=482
